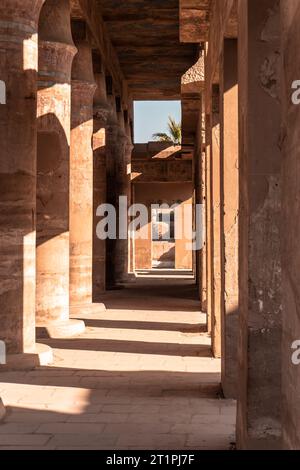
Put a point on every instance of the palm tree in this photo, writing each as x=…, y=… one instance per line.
x=174, y=135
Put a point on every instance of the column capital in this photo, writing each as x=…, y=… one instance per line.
x=101, y=113
x=55, y=62
x=56, y=46
x=19, y=18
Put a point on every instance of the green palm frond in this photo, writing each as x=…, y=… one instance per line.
x=175, y=130
x=174, y=135
x=162, y=137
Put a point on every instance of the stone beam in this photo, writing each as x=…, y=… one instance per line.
x=220, y=20
x=192, y=85
x=92, y=14
x=194, y=20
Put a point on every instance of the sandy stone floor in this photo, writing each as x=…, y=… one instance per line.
x=140, y=377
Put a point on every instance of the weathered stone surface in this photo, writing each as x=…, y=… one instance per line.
x=81, y=177
x=101, y=114
x=194, y=20
x=209, y=219
x=18, y=131
x=290, y=15
x=260, y=302
x=56, y=53
x=143, y=34
x=217, y=236
x=200, y=185
x=229, y=215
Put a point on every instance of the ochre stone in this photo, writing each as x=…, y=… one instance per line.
x=217, y=236
x=229, y=215
x=81, y=177
x=56, y=53
x=18, y=134
x=260, y=272
x=290, y=230
x=101, y=114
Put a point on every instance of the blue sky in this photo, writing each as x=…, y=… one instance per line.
x=152, y=116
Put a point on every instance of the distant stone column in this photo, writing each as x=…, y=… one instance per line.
x=18, y=134
x=101, y=113
x=260, y=270
x=112, y=135
x=200, y=187
x=56, y=53
x=81, y=178
x=208, y=222
x=122, y=174
x=230, y=215
x=218, y=294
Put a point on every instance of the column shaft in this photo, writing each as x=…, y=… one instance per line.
x=111, y=195
x=290, y=42
x=56, y=53
x=18, y=132
x=260, y=302
x=81, y=178
x=101, y=112
x=216, y=223
x=209, y=224
x=229, y=215
x=123, y=186
x=202, y=189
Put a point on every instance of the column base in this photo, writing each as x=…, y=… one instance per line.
x=80, y=311
x=61, y=329
x=129, y=278
x=260, y=444
x=2, y=410
x=41, y=355
x=229, y=388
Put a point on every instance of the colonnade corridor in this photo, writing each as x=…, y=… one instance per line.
x=141, y=376
x=142, y=141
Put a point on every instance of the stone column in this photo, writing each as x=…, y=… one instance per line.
x=81, y=178
x=260, y=302
x=101, y=114
x=18, y=133
x=216, y=223
x=229, y=214
x=208, y=223
x=200, y=189
x=56, y=53
x=290, y=43
x=123, y=160
x=111, y=146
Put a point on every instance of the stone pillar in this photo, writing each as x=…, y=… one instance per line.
x=18, y=133
x=229, y=214
x=216, y=223
x=208, y=223
x=81, y=178
x=111, y=156
x=101, y=113
x=56, y=53
x=201, y=199
x=197, y=170
x=123, y=186
x=260, y=302
x=290, y=43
